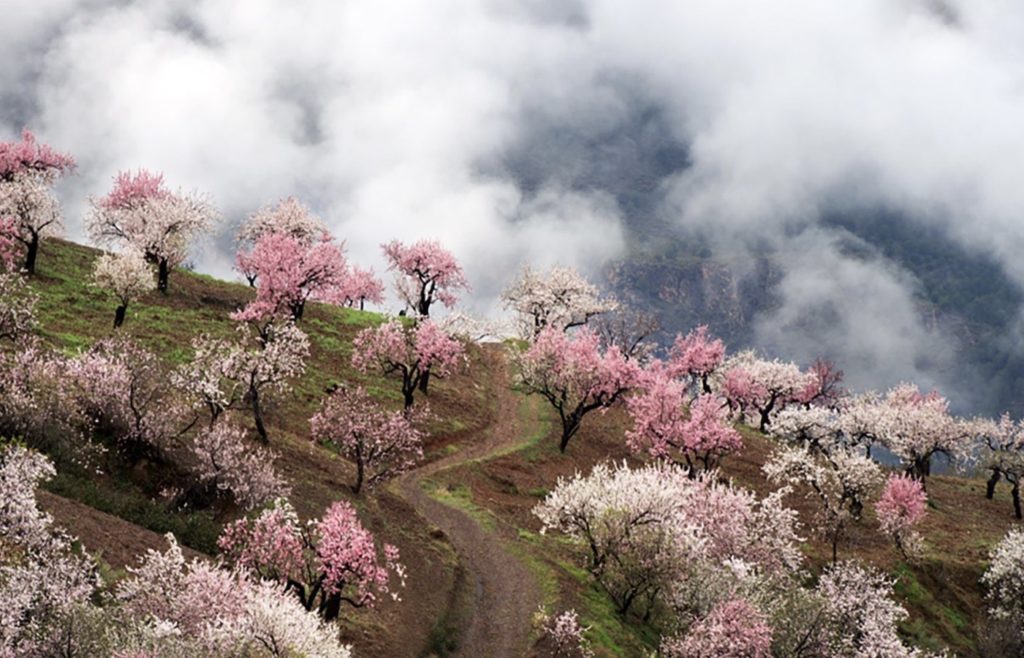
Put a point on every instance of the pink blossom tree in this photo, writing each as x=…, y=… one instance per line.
x=288, y=217
x=410, y=352
x=425, y=272
x=290, y=272
x=381, y=443
x=125, y=275
x=221, y=611
x=824, y=386
x=560, y=298
x=141, y=212
x=696, y=357
x=360, y=285
x=575, y=376
x=28, y=171
x=733, y=629
x=123, y=388
x=662, y=429
x=324, y=563
x=758, y=388
x=900, y=507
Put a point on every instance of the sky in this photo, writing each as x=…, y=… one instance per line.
x=508, y=130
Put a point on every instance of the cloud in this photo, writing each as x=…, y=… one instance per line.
x=551, y=130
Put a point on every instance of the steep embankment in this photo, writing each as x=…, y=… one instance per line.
x=478, y=566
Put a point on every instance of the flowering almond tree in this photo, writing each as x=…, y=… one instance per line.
x=123, y=388
x=559, y=298
x=223, y=463
x=572, y=374
x=733, y=629
x=757, y=388
x=141, y=212
x=324, y=563
x=266, y=370
x=425, y=272
x=381, y=443
x=359, y=286
x=221, y=612
x=8, y=245
x=125, y=275
x=919, y=426
x=696, y=357
x=662, y=429
x=1004, y=457
x=900, y=507
x=290, y=272
x=17, y=307
x=858, y=616
x=1004, y=582
x=840, y=482
x=410, y=352
x=41, y=575
x=28, y=171
x=289, y=217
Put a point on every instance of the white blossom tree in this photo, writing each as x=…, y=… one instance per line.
x=125, y=275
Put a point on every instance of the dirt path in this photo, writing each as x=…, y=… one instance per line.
x=499, y=594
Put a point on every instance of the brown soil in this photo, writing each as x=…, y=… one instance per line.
x=497, y=595
x=116, y=541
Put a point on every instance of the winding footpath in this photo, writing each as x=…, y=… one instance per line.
x=501, y=594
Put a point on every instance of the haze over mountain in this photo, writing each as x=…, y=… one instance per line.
x=811, y=178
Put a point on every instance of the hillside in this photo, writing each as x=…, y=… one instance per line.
x=478, y=564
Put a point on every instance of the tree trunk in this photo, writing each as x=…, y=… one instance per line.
x=257, y=414
x=408, y=389
x=424, y=380
x=163, y=272
x=331, y=607
x=360, y=469
x=119, y=316
x=297, y=309
x=1015, y=492
x=31, y=253
x=990, y=488
x=570, y=426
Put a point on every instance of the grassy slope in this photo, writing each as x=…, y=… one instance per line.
x=73, y=315
x=941, y=592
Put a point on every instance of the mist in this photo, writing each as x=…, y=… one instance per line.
x=559, y=132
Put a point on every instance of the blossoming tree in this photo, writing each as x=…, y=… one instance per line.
x=324, y=563
x=426, y=273
x=125, y=275
x=381, y=443
x=409, y=352
x=140, y=212
x=560, y=298
x=28, y=171
x=575, y=376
